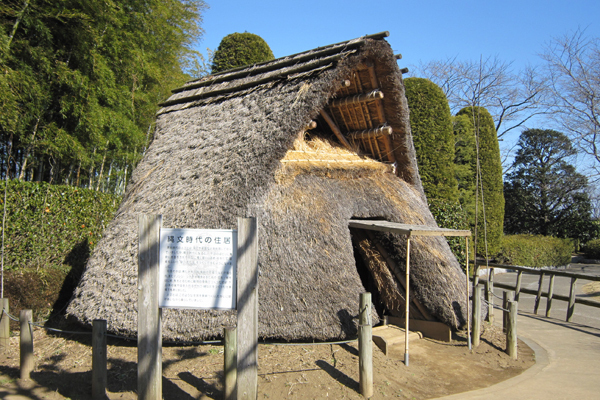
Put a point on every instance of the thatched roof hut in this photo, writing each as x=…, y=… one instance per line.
x=244, y=143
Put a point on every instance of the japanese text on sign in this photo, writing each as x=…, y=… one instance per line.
x=198, y=268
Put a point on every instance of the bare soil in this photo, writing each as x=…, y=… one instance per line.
x=304, y=371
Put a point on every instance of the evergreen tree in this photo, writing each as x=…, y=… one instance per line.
x=240, y=49
x=81, y=81
x=544, y=194
x=490, y=201
x=431, y=127
x=465, y=162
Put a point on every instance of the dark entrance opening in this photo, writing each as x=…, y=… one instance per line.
x=366, y=275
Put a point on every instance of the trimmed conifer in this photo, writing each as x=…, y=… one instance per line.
x=431, y=126
x=239, y=49
x=491, y=181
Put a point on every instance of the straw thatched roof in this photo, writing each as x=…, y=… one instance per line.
x=244, y=143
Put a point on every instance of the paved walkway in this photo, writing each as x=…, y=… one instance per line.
x=567, y=354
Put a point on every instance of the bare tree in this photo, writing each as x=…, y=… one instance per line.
x=511, y=98
x=573, y=68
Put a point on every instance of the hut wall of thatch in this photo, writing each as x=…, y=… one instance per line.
x=221, y=150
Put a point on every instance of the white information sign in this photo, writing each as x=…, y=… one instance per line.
x=198, y=268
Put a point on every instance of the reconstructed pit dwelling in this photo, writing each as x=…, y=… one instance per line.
x=303, y=143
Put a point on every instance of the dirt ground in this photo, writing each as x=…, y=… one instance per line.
x=305, y=371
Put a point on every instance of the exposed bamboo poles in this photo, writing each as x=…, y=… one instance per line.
x=371, y=133
x=335, y=129
x=358, y=98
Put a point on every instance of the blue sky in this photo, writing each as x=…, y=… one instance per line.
x=514, y=31
x=419, y=30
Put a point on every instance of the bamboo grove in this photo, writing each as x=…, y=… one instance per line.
x=80, y=81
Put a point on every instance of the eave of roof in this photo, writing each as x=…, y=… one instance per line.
x=406, y=229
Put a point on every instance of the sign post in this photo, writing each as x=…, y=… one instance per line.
x=149, y=314
x=247, y=314
x=196, y=269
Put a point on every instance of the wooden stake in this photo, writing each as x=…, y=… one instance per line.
x=518, y=285
x=468, y=287
x=149, y=314
x=4, y=325
x=538, y=297
x=99, y=377
x=247, y=312
x=230, y=362
x=550, y=295
x=507, y=295
x=407, y=313
x=26, y=344
x=489, y=296
x=511, y=330
x=365, y=346
x=571, y=309
x=477, y=315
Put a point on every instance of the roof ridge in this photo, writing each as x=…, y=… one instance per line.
x=268, y=66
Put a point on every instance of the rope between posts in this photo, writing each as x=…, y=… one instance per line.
x=211, y=342
x=496, y=296
x=10, y=316
x=58, y=330
x=309, y=344
x=494, y=305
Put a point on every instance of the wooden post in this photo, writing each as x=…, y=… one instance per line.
x=571, y=309
x=518, y=285
x=247, y=313
x=507, y=295
x=550, y=295
x=538, y=297
x=26, y=344
x=475, y=275
x=476, y=315
x=468, y=290
x=407, y=312
x=149, y=314
x=365, y=346
x=511, y=330
x=230, y=362
x=99, y=379
x=489, y=295
x=4, y=325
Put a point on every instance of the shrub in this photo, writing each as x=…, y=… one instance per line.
x=50, y=231
x=536, y=251
x=592, y=249
x=240, y=49
x=431, y=127
x=451, y=215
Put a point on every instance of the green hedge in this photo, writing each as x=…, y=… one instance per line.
x=592, y=249
x=536, y=251
x=50, y=232
x=46, y=223
x=450, y=215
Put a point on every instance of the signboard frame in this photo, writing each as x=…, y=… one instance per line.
x=198, y=268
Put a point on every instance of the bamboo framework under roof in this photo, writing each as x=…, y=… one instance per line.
x=356, y=115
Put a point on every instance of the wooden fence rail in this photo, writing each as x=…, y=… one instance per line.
x=572, y=299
